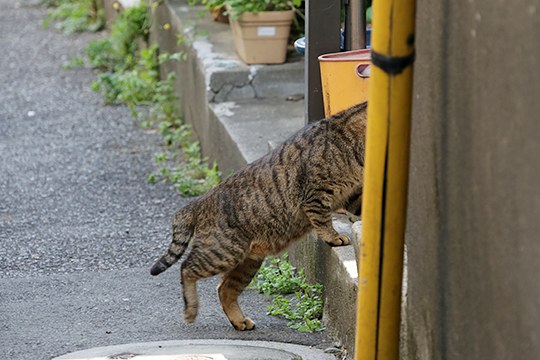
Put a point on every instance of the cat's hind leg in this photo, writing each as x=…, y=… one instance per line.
x=188, y=278
x=231, y=286
x=202, y=263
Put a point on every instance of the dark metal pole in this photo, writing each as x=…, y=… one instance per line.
x=357, y=15
x=322, y=37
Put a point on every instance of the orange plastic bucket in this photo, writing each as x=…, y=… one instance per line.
x=345, y=79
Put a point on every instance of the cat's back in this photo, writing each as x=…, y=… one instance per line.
x=332, y=146
x=326, y=148
x=325, y=145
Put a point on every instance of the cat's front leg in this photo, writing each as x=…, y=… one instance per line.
x=331, y=236
x=319, y=212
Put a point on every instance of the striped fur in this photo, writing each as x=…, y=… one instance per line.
x=266, y=206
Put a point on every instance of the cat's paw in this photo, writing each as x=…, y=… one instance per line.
x=339, y=240
x=246, y=324
x=190, y=315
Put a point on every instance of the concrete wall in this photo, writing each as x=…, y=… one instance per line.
x=473, y=233
x=336, y=269
x=110, y=11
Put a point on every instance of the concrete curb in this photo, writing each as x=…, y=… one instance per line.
x=201, y=350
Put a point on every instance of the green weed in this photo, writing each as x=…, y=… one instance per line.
x=132, y=84
x=119, y=51
x=73, y=63
x=294, y=299
x=129, y=74
x=75, y=16
x=183, y=166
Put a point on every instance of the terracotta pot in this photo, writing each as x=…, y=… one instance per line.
x=261, y=38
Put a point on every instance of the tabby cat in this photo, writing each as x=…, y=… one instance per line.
x=266, y=206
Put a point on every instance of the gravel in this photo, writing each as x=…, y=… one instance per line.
x=74, y=195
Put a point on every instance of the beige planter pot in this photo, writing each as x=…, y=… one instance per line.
x=261, y=38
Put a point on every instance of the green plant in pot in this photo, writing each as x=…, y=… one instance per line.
x=238, y=7
x=261, y=28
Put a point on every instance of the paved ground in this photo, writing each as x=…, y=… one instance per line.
x=79, y=225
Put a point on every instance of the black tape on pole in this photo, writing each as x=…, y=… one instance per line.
x=391, y=65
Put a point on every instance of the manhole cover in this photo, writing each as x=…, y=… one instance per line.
x=199, y=357
x=201, y=350
x=121, y=356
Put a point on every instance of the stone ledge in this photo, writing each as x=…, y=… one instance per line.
x=227, y=78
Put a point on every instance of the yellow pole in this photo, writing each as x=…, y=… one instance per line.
x=385, y=181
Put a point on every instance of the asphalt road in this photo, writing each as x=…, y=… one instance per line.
x=79, y=225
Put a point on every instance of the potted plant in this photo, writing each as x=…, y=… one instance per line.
x=261, y=28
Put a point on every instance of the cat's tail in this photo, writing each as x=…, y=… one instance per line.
x=183, y=228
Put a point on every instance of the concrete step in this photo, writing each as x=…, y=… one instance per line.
x=247, y=129
x=213, y=85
